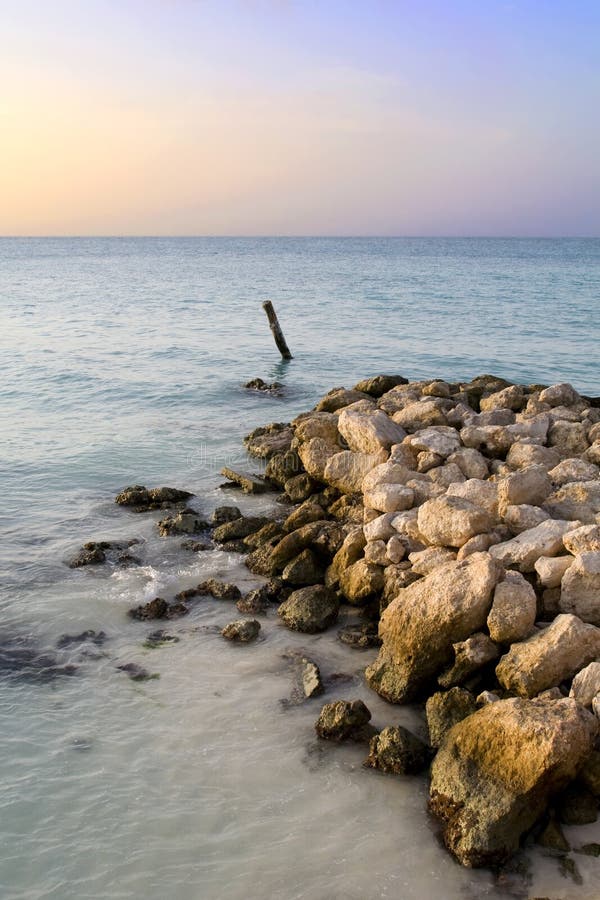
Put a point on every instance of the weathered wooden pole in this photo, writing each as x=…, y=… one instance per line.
x=276, y=330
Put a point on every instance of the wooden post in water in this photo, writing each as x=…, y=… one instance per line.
x=276, y=330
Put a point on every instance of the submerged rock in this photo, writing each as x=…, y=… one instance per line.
x=160, y=638
x=497, y=769
x=93, y=637
x=137, y=672
x=22, y=660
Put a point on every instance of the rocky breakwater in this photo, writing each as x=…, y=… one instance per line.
x=464, y=520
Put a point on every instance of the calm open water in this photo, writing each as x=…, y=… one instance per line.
x=123, y=361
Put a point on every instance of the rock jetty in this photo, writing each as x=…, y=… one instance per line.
x=464, y=519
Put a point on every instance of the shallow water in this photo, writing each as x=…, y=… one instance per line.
x=122, y=361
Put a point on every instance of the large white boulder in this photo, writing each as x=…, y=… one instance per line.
x=512, y=615
x=450, y=521
x=346, y=470
x=441, y=440
x=582, y=539
x=522, y=551
x=530, y=486
x=586, y=684
x=580, y=587
x=482, y=493
x=550, y=569
x=389, y=498
x=551, y=655
x=369, y=432
x=420, y=626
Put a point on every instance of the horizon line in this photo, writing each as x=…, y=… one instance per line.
x=175, y=236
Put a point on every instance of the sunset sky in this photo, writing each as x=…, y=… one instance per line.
x=414, y=117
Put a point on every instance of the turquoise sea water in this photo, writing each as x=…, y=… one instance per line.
x=123, y=360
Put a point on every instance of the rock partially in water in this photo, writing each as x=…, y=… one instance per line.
x=97, y=552
x=158, y=609
x=224, y=514
x=310, y=678
x=361, y=637
x=266, y=441
x=343, y=720
x=378, y=385
x=238, y=528
x=445, y=709
x=248, y=483
x=91, y=554
x=185, y=522
x=307, y=683
x=421, y=625
x=143, y=499
x=258, y=600
x=196, y=546
x=396, y=751
x=577, y=805
x=552, y=836
x=497, y=770
x=304, y=569
x=242, y=630
x=257, y=384
x=220, y=590
x=310, y=609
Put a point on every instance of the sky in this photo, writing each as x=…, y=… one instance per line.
x=300, y=117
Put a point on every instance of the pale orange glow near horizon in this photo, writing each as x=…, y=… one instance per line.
x=143, y=140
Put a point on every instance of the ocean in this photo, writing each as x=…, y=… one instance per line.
x=123, y=361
